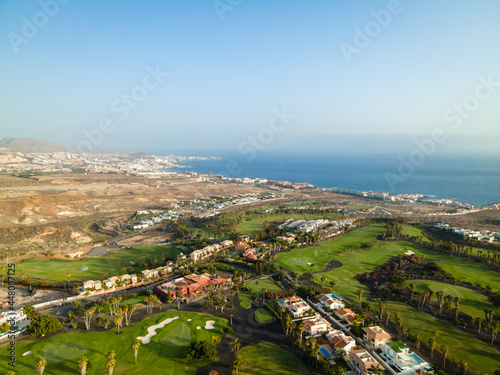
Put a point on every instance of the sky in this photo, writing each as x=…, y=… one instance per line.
x=244, y=76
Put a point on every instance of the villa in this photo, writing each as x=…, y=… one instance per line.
x=339, y=340
x=403, y=361
x=242, y=246
x=376, y=336
x=316, y=326
x=361, y=362
x=149, y=274
x=296, y=307
x=331, y=301
x=346, y=314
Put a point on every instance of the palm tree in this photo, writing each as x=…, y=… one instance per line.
x=136, y=345
x=235, y=345
x=264, y=291
x=231, y=318
x=457, y=300
x=360, y=295
x=118, y=322
x=111, y=354
x=323, y=279
x=110, y=365
x=445, y=350
x=237, y=366
x=457, y=311
x=381, y=307
x=376, y=370
x=387, y=316
x=479, y=320
x=40, y=365
x=418, y=339
x=432, y=344
x=257, y=283
x=82, y=365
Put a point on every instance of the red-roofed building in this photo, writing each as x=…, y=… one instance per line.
x=190, y=284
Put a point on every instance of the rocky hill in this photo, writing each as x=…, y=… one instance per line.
x=32, y=145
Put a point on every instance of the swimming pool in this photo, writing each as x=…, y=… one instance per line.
x=325, y=353
x=417, y=358
x=335, y=296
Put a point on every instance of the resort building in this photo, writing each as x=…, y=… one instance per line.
x=361, y=362
x=331, y=301
x=190, y=284
x=316, y=326
x=376, y=336
x=242, y=246
x=403, y=361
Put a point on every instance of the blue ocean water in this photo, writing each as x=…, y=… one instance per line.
x=474, y=180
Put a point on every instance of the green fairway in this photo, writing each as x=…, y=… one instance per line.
x=477, y=353
x=266, y=358
x=410, y=231
x=163, y=355
x=94, y=268
x=471, y=302
x=268, y=284
x=263, y=316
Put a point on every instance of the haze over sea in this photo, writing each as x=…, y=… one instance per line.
x=469, y=179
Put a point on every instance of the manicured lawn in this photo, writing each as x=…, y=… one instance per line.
x=414, y=232
x=263, y=316
x=163, y=355
x=245, y=299
x=477, y=353
x=355, y=260
x=266, y=358
x=94, y=268
x=471, y=302
x=268, y=284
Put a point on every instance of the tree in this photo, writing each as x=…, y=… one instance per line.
x=376, y=370
x=360, y=295
x=381, y=307
x=201, y=350
x=432, y=344
x=237, y=366
x=110, y=365
x=43, y=324
x=445, y=350
x=323, y=279
x=82, y=365
x=231, y=318
x=235, y=345
x=418, y=339
x=118, y=322
x=136, y=345
x=40, y=365
x=111, y=354
x=257, y=283
x=28, y=310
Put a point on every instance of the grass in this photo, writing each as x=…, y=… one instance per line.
x=477, y=353
x=267, y=283
x=266, y=358
x=163, y=355
x=263, y=316
x=94, y=268
x=245, y=299
x=356, y=260
x=414, y=232
x=471, y=302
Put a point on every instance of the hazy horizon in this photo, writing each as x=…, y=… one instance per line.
x=372, y=77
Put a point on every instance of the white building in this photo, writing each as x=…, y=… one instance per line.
x=403, y=360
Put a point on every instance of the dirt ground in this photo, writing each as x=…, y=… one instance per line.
x=23, y=297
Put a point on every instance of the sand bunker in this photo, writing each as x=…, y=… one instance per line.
x=198, y=327
x=152, y=330
x=190, y=320
x=27, y=353
x=210, y=324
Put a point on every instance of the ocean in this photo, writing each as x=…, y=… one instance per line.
x=468, y=179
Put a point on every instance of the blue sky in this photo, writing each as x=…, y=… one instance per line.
x=228, y=75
